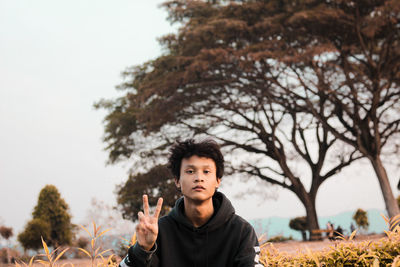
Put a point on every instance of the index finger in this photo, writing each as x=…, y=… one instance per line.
x=145, y=205
x=158, y=208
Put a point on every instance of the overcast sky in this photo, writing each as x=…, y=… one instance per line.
x=59, y=57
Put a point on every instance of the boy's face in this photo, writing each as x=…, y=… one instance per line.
x=198, y=179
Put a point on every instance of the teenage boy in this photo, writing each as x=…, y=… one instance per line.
x=202, y=230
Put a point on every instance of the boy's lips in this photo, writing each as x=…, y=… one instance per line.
x=198, y=188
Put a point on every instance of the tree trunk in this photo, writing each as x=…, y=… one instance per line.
x=391, y=204
x=312, y=219
x=8, y=255
x=304, y=235
x=308, y=200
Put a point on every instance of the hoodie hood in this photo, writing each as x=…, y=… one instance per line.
x=223, y=212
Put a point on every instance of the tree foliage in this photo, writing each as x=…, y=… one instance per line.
x=6, y=232
x=249, y=74
x=345, y=62
x=267, y=79
x=51, y=219
x=361, y=219
x=36, y=228
x=158, y=182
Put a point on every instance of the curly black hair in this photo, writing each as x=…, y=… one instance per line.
x=207, y=148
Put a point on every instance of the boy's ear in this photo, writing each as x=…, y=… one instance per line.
x=218, y=182
x=177, y=182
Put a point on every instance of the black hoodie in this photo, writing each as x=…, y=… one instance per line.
x=226, y=240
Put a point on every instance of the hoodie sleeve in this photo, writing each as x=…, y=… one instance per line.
x=138, y=257
x=249, y=249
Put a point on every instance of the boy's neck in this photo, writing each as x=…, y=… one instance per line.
x=198, y=213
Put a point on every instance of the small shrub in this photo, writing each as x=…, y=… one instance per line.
x=299, y=224
x=279, y=238
x=361, y=219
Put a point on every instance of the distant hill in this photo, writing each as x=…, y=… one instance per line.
x=274, y=226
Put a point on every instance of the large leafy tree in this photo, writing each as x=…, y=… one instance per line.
x=51, y=220
x=214, y=79
x=337, y=60
x=343, y=59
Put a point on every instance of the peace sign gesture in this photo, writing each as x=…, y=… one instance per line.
x=147, y=228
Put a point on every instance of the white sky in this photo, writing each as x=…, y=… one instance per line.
x=59, y=57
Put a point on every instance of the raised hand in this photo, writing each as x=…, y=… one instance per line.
x=147, y=228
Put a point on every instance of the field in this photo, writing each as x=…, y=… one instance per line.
x=294, y=247
x=290, y=248
x=71, y=262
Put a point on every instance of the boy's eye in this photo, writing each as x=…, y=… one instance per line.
x=189, y=171
x=206, y=171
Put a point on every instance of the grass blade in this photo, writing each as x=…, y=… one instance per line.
x=85, y=251
x=353, y=234
x=43, y=262
x=105, y=251
x=86, y=230
x=60, y=254
x=31, y=261
x=46, y=249
x=102, y=233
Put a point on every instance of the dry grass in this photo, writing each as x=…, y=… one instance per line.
x=95, y=256
x=294, y=247
x=64, y=262
x=384, y=251
x=373, y=251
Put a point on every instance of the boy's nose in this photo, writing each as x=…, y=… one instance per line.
x=199, y=178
